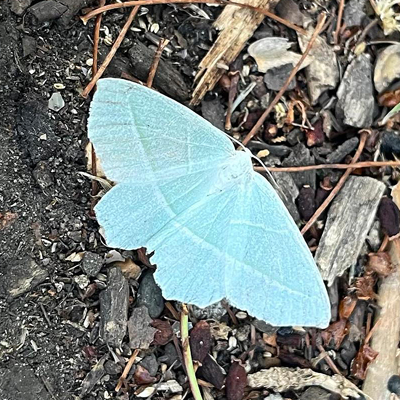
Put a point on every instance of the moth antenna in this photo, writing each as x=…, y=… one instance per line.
x=270, y=177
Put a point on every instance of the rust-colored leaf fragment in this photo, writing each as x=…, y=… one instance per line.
x=346, y=306
x=143, y=377
x=380, y=263
x=7, y=219
x=164, y=332
x=316, y=136
x=389, y=216
x=236, y=381
x=336, y=332
x=390, y=99
x=200, y=341
x=362, y=360
x=365, y=287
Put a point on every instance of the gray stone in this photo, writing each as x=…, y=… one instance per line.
x=288, y=192
x=151, y=364
x=275, y=78
x=213, y=111
x=301, y=156
x=356, y=103
x=149, y=295
x=19, y=6
x=56, y=102
x=323, y=73
x=170, y=356
x=112, y=368
x=315, y=393
x=114, y=308
x=342, y=151
x=262, y=326
x=92, y=263
x=354, y=13
x=141, y=334
x=214, y=311
x=21, y=277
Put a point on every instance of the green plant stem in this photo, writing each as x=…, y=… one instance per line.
x=187, y=355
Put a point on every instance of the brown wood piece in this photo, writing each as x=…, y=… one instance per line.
x=236, y=28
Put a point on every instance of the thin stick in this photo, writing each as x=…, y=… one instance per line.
x=110, y=55
x=187, y=355
x=263, y=117
x=157, y=56
x=339, y=185
x=339, y=22
x=362, y=164
x=127, y=368
x=96, y=36
x=329, y=361
x=126, y=4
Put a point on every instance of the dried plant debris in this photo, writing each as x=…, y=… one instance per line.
x=273, y=52
x=387, y=67
x=141, y=333
x=114, y=308
x=281, y=379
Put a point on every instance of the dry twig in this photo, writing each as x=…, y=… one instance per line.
x=386, y=335
x=274, y=102
x=157, y=56
x=134, y=3
x=339, y=22
x=362, y=164
x=113, y=50
x=339, y=185
x=126, y=370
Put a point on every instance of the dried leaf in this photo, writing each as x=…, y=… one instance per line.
x=236, y=381
x=346, y=306
x=129, y=268
x=365, y=287
x=316, y=136
x=389, y=99
x=143, y=377
x=200, y=341
x=389, y=216
x=141, y=334
x=220, y=330
x=7, y=219
x=211, y=372
x=362, y=360
x=336, y=331
x=380, y=263
x=164, y=332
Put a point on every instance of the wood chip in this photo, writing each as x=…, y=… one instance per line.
x=349, y=220
x=237, y=27
x=282, y=379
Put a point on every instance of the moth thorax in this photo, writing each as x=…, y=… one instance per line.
x=234, y=170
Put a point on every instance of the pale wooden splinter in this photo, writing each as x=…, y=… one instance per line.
x=387, y=333
x=237, y=26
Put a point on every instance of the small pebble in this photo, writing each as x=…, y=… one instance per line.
x=56, y=102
